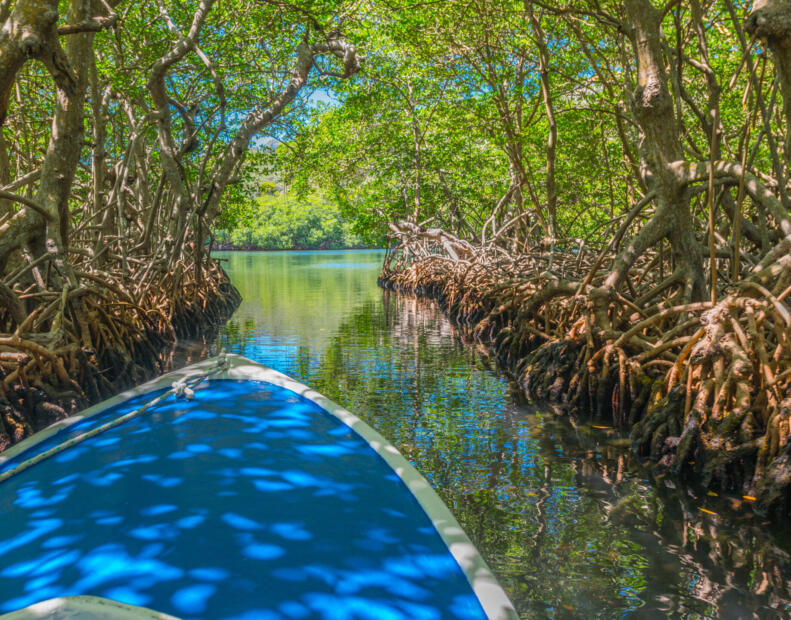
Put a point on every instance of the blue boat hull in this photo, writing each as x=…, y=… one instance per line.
x=249, y=501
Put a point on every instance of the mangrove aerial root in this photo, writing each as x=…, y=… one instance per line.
x=86, y=344
x=704, y=387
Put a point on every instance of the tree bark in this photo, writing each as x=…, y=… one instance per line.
x=660, y=146
x=29, y=32
x=65, y=145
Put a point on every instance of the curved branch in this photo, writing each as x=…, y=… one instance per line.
x=689, y=173
x=656, y=229
x=28, y=203
x=95, y=24
x=262, y=116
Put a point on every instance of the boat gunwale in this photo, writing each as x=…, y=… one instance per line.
x=490, y=594
x=87, y=608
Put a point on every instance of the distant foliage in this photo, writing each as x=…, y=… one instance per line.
x=284, y=221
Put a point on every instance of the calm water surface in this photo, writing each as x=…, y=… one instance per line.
x=567, y=521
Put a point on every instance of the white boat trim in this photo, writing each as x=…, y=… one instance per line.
x=84, y=608
x=492, y=597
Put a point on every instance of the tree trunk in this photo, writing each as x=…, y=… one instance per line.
x=552, y=139
x=29, y=32
x=63, y=152
x=660, y=147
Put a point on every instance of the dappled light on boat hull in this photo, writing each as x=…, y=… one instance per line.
x=247, y=502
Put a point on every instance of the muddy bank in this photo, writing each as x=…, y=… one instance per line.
x=703, y=388
x=41, y=384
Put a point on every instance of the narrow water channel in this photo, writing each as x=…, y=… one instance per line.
x=566, y=519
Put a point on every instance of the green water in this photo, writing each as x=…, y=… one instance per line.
x=570, y=525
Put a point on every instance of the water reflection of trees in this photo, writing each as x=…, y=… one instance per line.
x=560, y=510
x=298, y=296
